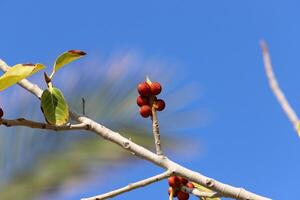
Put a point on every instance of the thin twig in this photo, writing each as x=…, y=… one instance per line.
x=143, y=153
x=131, y=186
x=39, y=125
x=83, y=106
x=155, y=129
x=289, y=111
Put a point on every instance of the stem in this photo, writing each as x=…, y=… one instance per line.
x=39, y=125
x=155, y=130
x=286, y=107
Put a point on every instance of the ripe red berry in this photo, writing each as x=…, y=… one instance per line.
x=174, y=181
x=190, y=185
x=142, y=101
x=155, y=88
x=175, y=192
x=1, y=113
x=145, y=111
x=183, y=195
x=160, y=104
x=144, y=89
x=183, y=180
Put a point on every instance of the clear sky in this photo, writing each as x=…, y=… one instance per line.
x=248, y=141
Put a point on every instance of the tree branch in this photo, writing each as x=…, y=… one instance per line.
x=291, y=114
x=39, y=125
x=162, y=161
x=131, y=186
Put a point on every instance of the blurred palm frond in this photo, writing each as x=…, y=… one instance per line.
x=31, y=158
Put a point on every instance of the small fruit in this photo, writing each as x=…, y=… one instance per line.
x=145, y=111
x=183, y=180
x=142, y=101
x=1, y=113
x=144, y=89
x=155, y=88
x=174, y=181
x=175, y=192
x=190, y=185
x=160, y=104
x=183, y=195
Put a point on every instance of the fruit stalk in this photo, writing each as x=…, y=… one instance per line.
x=155, y=130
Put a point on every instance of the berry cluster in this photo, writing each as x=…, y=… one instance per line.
x=175, y=183
x=148, y=99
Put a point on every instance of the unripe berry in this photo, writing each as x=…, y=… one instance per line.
x=142, y=101
x=155, y=88
x=190, y=185
x=175, y=192
x=144, y=89
x=174, y=181
x=1, y=113
x=183, y=180
x=145, y=111
x=160, y=104
x=183, y=195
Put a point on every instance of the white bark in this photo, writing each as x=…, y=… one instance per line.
x=286, y=107
x=131, y=186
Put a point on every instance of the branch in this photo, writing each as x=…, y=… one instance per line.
x=155, y=130
x=161, y=161
x=39, y=125
x=291, y=114
x=131, y=186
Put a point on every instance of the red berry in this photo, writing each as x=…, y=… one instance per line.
x=160, y=104
x=145, y=111
x=144, y=89
x=190, y=185
x=175, y=192
x=1, y=113
x=183, y=195
x=174, y=181
x=183, y=180
x=142, y=101
x=155, y=88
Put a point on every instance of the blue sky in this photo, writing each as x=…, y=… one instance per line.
x=248, y=141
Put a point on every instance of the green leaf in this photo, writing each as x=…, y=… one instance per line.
x=54, y=107
x=66, y=58
x=298, y=128
x=204, y=189
x=17, y=73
